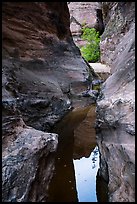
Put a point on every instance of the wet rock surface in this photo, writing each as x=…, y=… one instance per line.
x=116, y=103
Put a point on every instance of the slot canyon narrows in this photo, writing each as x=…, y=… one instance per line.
x=68, y=122
x=77, y=159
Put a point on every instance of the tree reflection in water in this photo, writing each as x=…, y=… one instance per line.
x=94, y=157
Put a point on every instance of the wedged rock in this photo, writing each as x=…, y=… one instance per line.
x=115, y=124
x=101, y=69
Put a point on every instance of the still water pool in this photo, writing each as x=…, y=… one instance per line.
x=85, y=173
x=77, y=158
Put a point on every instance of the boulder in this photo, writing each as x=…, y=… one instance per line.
x=27, y=158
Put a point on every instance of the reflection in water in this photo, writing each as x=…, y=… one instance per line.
x=76, y=140
x=101, y=188
x=63, y=185
x=85, y=172
x=85, y=135
x=95, y=158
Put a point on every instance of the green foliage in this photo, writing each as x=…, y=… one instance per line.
x=91, y=52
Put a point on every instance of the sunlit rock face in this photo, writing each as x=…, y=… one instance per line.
x=116, y=103
x=40, y=62
x=84, y=14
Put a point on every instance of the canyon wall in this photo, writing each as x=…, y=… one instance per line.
x=115, y=124
x=43, y=77
x=87, y=14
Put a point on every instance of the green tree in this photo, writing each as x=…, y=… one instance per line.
x=91, y=51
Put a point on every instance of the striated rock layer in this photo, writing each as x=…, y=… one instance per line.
x=43, y=77
x=116, y=103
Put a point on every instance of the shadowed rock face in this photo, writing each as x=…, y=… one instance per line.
x=116, y=103
x=41, y=71
x=29, y=28
x=42, y=64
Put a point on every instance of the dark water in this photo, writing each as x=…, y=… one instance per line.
x=77, y=159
